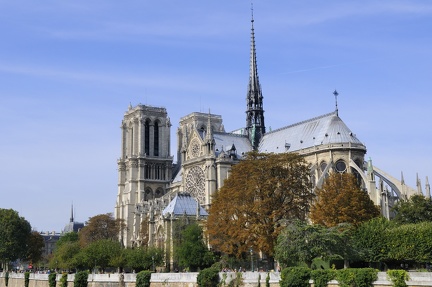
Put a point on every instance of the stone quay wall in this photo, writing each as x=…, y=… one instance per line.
x=249, y=279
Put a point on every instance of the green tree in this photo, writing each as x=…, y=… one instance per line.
x=66, y=251
x=341, y=200
x=35, y=246
x=100, y=253
x=14, y=236
x=261, y=194
x=192, y=252
x=300, y=242
x=416, y=209
x=141, y=258
x=65, y=256
x=368, y=240
x=102, y=226
x=411, y=242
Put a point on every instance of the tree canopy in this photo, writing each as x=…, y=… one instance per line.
x=416, y=209
x=191, y=251
x=102, y=226
x=35, y=246
x=262, y=193
x=14, y=235
x=300, y=242
x=341, y=200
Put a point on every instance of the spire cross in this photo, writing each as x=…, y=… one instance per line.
x=336, y=94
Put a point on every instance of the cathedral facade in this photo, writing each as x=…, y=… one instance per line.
x=153, y=192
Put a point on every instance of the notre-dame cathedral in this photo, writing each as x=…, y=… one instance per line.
x=153, y=192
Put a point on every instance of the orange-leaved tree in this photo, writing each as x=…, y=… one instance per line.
x=263, y=192
x=342, y=200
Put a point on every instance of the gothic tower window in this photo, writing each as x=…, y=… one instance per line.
x=148, y=194
x=147, y=137
x=156, y=139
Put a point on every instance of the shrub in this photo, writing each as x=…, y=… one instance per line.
x=208, y=277
x=7, y=279
x=365, y=277
x=63, y=280
x=322, y=276
x=26, y=279
x=356, y=277
x=398, y=277
x=238, y=281
x=81, y=279
x=52, y=279
x=295, y=277
x=143, y=278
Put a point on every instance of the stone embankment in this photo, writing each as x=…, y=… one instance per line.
x=249, y=279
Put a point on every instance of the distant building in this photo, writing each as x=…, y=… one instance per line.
x=52, y=237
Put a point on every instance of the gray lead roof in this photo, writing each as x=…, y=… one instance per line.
x=183, y=204
x=322, y=130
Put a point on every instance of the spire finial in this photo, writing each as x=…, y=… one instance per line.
x=252, y=19
x=336, y=94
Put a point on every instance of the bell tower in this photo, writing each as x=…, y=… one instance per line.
x=144, y=167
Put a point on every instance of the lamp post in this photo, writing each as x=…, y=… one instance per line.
x=251, y=254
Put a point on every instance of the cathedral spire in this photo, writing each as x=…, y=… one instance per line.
x=255, y=127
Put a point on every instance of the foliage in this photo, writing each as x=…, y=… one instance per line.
x=356, y=277
x=67, y=237
x=14, y=234
x=192, y=252
x=102, y=226
x=81, y=278
x=295, y=277
x=100, y=253
x=341, y=200
x=237, y=281
x=268, y=280
x=322, y=276
x=6, y=278
x=143, y=278
x=410, y=242
x=63, y=280
x=416, y=209
x=302, y=242
x=65, y=255
x=398, y=277
x=35, y=246
x=262, y=193
x=26, y=279
x=208, y=277
x=143, y=258
x=52, y=279
x=368, y=240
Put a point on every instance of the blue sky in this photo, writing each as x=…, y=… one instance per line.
x=69, y=70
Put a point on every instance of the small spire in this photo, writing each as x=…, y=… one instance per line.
x=72, y=214
x=402, y=178
x=428, y=193
x=336, y=94
x=419, y=187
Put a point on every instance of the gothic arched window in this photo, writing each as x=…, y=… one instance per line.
x=156, y=139
x=147, y=137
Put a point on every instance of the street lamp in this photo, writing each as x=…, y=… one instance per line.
x=251, y=254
